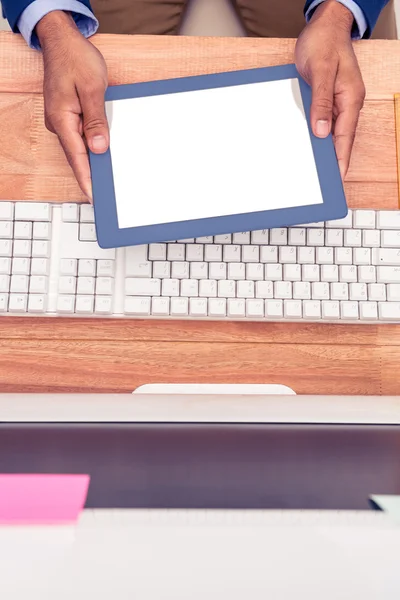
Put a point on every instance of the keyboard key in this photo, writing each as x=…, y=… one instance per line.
x=311, y=273
x=343, y=256
x=377, y=292
x=315, y=237
x=393, y=292
x=339, y=291
x=273, y=309
x=198, y=307
x=302, y=290
x=6, y=211
x=208, y=288
x=84, y=305
x=362, y=256
x=87, y=213
x=287, y=254
x=6, y=229
x=4, y=283
x=223, y=239
x=160, y=307
x=194, y=252
x=297, y=236
x=345, y=223
x=320, y=290
x=176, y=252
x=226, y=289
x=66, y=304
x=368, y=311
x=269, y=254
x=32, y=211
x=232, y=253
x=257, y=237
x=213, y=253
x=161, y=269
x=104, y=286
x=68, y=266
x=236, y=308
x=138, y=269
x=254, y=272
x=388, y=275
x=242, y=238
x=264, y=289
x=189, y=287
x=21, y=266
x=389, y=311
x=217, y=307
x=40, y=249
x=236, y=271
x=22, y=248
x=87, y=232
x=179, y=307
x=292, y=309
x=204, y=240
x=158, y=251
x=311, y=309
x=278, y=237
x=105, y=268
x=170, y=287
x=367, y=274
x=23, y=230
x=18, y=303
x=306, y=256
x=70, y=212
x=348, y=274
x=180, y=270
x=19, y=284
x=245, y=289
x=103, y=305
x=41, y=231
x=388, y=219
x=273, y=272
x=254, y=309
x=200, y=271
x=349, y=310
x=329, y=273
x=389, y=239
x=371, y=239
x=86, y=267
x=282, y=289
x=3, y=303
x=139, y=307
x=358, y=291
x=386, y=256
x=330, y=310
x=334, y=237
x=140, y=286
x=324, y=256
x=38, y=284
x=352, y=237
x=66, y=285
x=5, y=266
x=292, y=272
x=250, y=254
x=364, y=219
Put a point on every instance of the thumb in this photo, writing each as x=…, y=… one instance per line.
x=323, y=86
x=95, y=126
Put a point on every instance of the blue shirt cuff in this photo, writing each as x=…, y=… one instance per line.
x=83, y=17
x=360, y=22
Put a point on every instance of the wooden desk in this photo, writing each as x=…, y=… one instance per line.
x=116, y=356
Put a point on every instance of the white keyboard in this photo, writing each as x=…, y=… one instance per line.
x=347, y=270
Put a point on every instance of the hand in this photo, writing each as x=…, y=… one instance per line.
x=325, y=58
x=75, y=80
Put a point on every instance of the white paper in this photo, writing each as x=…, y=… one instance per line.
x=213, y=152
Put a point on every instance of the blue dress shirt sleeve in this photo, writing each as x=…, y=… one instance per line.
x=360, y=22
x=83, y=17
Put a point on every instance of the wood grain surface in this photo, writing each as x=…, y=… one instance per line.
x=60, y=355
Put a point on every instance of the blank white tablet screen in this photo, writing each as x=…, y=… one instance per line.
x=208, y=153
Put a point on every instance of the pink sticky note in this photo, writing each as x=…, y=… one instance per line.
x=42, y=499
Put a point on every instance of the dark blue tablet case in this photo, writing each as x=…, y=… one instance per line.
x=110, y=235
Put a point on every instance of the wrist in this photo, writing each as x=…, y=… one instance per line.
x=53, y=25
x=334, y=13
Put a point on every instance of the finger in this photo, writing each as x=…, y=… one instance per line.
x=73, y=145
x=322, y=85
x=344, y=134
x=95, y=126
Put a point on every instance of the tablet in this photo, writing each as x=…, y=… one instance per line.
x=212, y=154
